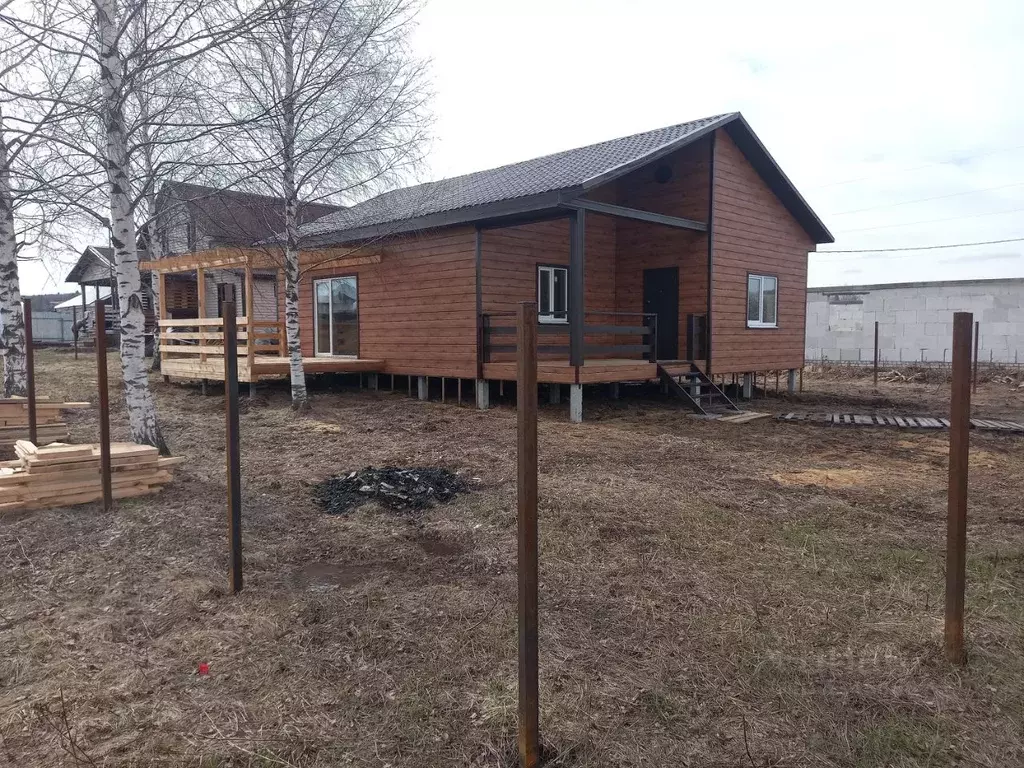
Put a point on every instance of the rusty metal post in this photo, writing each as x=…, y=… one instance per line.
x=30, y=371
x=233, y=449
x=104, y=394
x=977, y=337
x=876, y=355
x=956, y=521
x=526, y=455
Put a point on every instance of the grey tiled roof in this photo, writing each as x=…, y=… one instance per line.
x=551, y=173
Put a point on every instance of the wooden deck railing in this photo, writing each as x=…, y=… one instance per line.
x=203, y=338
x=602, y=336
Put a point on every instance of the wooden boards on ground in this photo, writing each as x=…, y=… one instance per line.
x=60, y=475
x=903, y=422
x=49, y=426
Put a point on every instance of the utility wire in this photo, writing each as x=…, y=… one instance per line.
x=932, y=221
x=957, y=159
x=929, y=247
x=928, y=199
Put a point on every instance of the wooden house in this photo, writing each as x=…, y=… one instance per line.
x=679, y=254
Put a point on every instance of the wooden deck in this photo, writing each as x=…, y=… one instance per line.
x=591, y=372
x=212, y=368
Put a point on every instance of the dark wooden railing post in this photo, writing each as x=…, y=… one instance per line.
x=30, y=371
x=100, y=313
x=956, y=521
x=653, y=354
x=233, y=449
x=526, y=460
x=577, y=292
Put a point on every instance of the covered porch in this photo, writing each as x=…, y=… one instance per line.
x=193, y=290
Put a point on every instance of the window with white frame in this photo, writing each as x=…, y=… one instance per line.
x=552, y=294
x=762, y=301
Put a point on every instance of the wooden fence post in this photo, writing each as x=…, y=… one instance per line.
x=526, y=455
x=956, y=521
x=233, y=449
x=104, y=394
x=30, y=371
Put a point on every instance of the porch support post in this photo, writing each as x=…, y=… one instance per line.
x=577, y=228
x=791, y=381
x=748, y=386
x=576, y=403
x=554, y=393
x=250, y=329
x=483, y=394
x=421, y=387
x=201, y=310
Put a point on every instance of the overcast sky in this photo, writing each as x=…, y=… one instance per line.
x=869, y=107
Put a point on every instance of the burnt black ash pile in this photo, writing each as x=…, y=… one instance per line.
x=407, y=490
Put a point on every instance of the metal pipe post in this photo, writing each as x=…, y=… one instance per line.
x=104, y=395
x=956, y=521
x=526, y=455
x=233, y=449
x=30, y=372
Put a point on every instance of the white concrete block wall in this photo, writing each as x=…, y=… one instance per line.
x=915, y=320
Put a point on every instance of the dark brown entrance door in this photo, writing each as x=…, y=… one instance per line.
x=661, y=296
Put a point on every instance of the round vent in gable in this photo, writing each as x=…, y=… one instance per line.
x=662, y=173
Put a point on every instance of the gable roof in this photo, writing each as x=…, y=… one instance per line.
x=544, y=182
x=92, y=255
x=235, y=217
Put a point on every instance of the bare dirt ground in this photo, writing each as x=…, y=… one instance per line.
x=764, y=594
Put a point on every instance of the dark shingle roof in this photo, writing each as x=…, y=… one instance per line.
x=476, y=195
x=91, y=255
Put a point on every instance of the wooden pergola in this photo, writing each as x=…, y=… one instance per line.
x=193, y=348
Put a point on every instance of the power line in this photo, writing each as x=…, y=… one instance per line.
x=929, y=247
x=958, y=159
x=928, y=199
x=933, y=221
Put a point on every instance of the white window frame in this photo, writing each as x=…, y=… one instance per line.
x=316, y=325
x=547, y=272
x=759, y=323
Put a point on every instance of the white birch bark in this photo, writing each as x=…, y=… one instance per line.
x=291, y=224
x=138, y=397
x=12, y=331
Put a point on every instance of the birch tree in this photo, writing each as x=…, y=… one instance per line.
x=331, y=102
x=133, y=48
x=25, y=210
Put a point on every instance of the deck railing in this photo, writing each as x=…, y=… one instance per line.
x=203, y=338
x=603, y=334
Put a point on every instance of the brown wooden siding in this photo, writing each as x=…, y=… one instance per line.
x=417, y=307
x=754, y=233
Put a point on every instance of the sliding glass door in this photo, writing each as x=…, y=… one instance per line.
x=337, y=316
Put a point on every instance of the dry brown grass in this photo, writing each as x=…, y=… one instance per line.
x=695, y=610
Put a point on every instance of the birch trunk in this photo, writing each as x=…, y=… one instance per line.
x=291, y=225
x=138, y=398
x=12, y=319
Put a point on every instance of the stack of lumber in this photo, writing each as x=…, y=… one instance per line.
x=49, y=427
x=60, y=475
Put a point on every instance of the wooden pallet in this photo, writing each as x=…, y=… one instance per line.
x=902, y=422
x=61, y=475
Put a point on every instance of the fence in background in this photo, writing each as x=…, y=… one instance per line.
x=52, y=328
